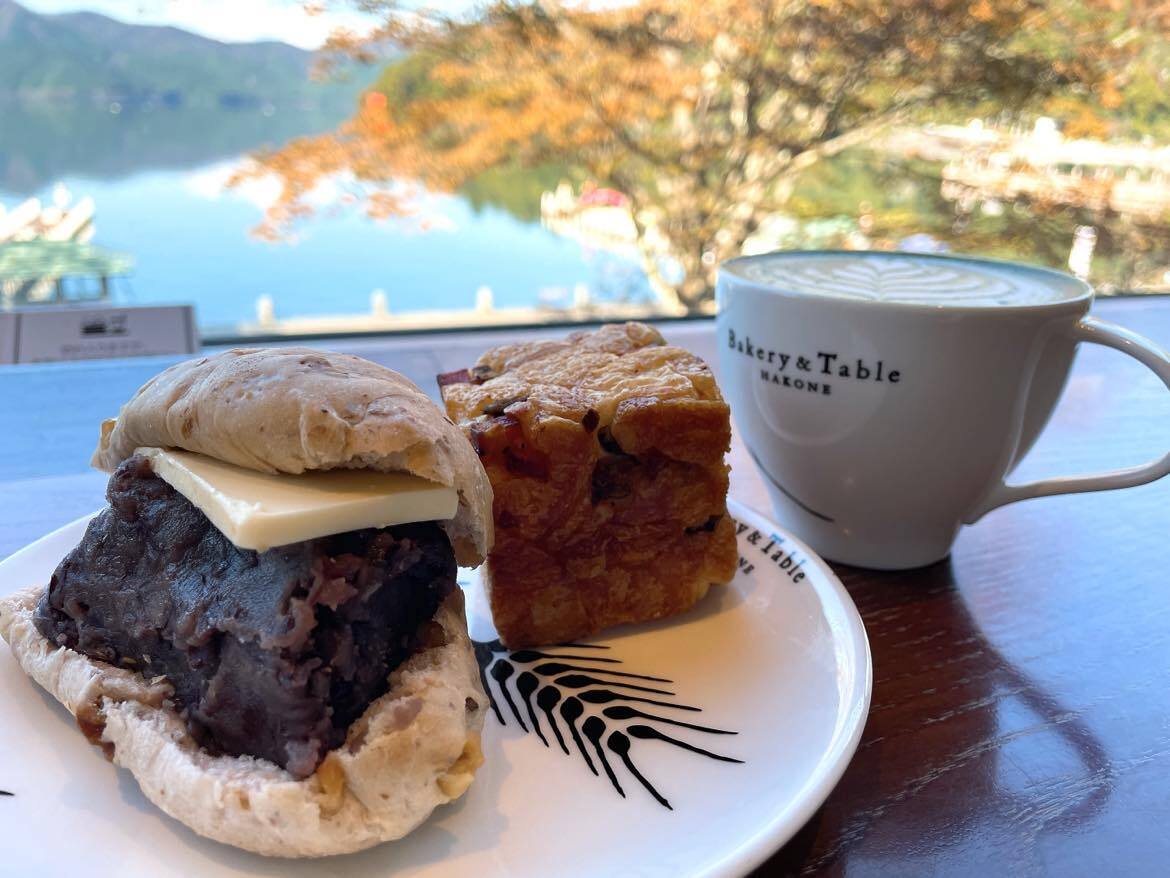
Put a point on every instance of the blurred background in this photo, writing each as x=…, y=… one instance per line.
x=369, y=166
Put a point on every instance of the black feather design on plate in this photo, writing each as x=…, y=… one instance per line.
x=577, y=702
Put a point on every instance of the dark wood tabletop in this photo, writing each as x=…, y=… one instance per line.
x=1020, y=721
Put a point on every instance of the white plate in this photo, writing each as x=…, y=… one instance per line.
x=779, y=658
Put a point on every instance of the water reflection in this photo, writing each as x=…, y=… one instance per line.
x=964, y=753
x=156, y=177
x=156, y=180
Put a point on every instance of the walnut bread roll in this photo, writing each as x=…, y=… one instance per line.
x=414, y=749
x=308, y=696
x=606, y=457
x=290, y=410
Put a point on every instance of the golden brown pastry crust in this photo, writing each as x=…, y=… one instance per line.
x=605, y=453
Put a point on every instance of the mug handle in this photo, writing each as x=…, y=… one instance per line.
x=1143, y=350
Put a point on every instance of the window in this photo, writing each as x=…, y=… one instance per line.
x=521, y=162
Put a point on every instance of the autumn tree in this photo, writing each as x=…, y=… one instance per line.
x=702, y=112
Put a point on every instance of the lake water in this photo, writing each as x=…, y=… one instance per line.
x=191, y=242
x=157, y=178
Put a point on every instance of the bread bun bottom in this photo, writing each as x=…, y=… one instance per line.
x=415, y=748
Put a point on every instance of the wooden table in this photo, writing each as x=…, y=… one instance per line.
x=1021, y=703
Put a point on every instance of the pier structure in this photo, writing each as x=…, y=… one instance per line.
x=983, y=162
x=44, y=247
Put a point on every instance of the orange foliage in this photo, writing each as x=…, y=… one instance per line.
x=700, y=111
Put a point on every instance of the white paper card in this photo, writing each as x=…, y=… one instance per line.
x=50, y=334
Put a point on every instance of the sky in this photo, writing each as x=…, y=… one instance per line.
x=228, y=20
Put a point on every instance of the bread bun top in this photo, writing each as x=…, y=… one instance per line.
x=288, y=410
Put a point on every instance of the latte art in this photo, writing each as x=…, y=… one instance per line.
x=919, y=280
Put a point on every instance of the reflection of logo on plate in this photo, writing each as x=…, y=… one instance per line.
x=5, y=793
x=574, y=685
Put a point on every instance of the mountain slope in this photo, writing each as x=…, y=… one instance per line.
x=87, y=57
x=85, y=95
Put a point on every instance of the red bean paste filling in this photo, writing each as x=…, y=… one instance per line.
x=271, y=654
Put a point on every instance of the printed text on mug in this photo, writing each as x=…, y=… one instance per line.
x=808, y=373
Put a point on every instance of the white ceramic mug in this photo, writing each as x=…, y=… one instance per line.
x=885, y=396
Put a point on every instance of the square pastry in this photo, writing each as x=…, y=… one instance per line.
x=606, y=455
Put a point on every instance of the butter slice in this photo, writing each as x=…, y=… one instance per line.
x=258, y=511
